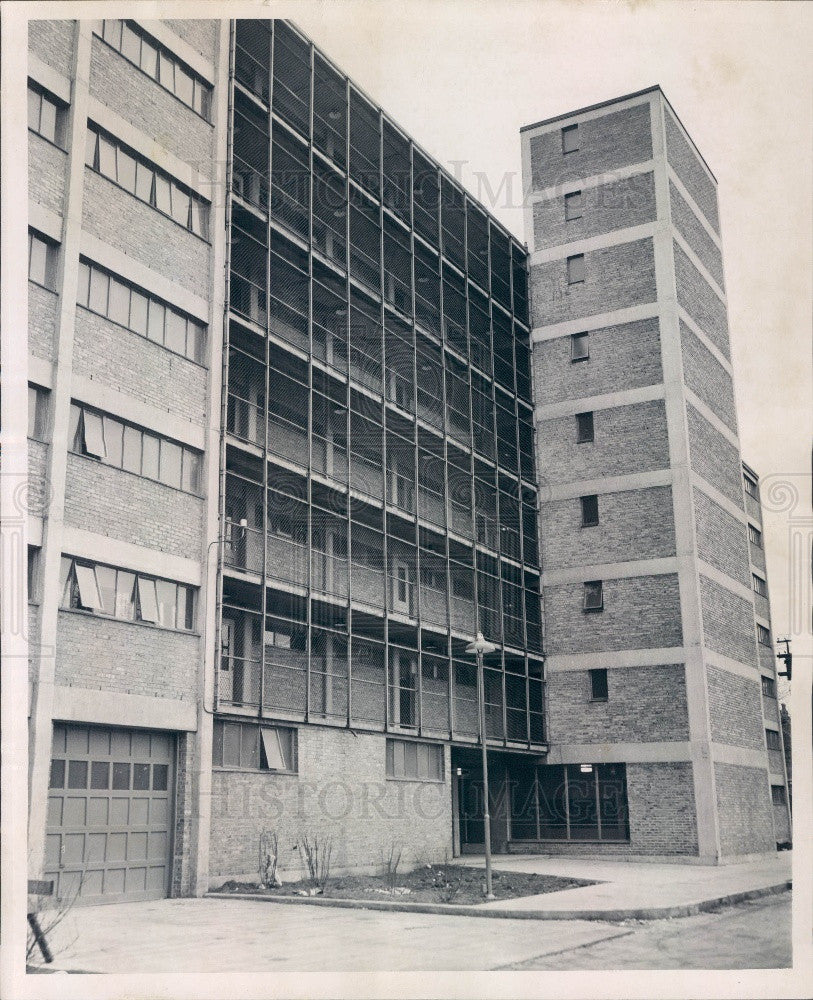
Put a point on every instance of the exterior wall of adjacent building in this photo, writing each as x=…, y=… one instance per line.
x=671, y=544
x=88, y=667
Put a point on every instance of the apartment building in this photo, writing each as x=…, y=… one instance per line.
x=653, y=570
x=283, y=463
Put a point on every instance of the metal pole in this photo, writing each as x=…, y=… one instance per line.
x=486, y=812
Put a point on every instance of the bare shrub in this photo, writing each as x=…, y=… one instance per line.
x=317, y=851
x=390, y=860
x=267, y=864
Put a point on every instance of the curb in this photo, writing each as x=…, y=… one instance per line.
x=444, y=909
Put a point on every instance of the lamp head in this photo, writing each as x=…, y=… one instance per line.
x=480, y=645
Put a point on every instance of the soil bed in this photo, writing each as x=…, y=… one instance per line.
x=427, y=884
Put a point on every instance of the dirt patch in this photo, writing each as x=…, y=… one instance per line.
x=459, y=884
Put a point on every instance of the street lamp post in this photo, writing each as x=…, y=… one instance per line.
x=479, y=647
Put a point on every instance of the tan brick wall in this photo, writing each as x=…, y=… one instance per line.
x=627, y=439
x=734, y=710
x=132, y=509
x=761, y=606
x=662, y=808
x=614, y=140
x=46, y=173
x=757, y=556
x=615, y=278
x=131, y=657
x=721, y=539
x=183, y=874
x=123, y=360
x=605, y=208
x=753, y=508
x=131, y=226
x=776, y=759
x=744, y=808
x=640, y=612
x=707, y=379
x=713, y=457
x=627, y=355
x=683, y=160
x=132, y=94
x=766, y=658
x=695, y=295
x=781, y=825
x=633, y=524
x=690, y=228
x=646, y=704
x=727, y=622
x=42, y=306
x=342, y=792
x=200, y=34
x=52, y=41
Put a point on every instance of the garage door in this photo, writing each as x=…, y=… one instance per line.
x=109, y=813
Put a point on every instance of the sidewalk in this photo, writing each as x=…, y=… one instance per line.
x=626, y=890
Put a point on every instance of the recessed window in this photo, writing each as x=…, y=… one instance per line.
x=772, y=739
x=46, y=115
x=579, y=346
x=570, y=138
x=414, y=761
x=778, y=795
x=42, y=255
x=598, y=685
x=751, y=487
x=760, y=586
x=33, y=573
x=573, y=206
x=575, y=269
x=125, y=447
x=584, y=427
x=589, y=505
x=120, y=593
x=593, y=595
x=107, y=156
x=252, y=747
x=768, y=687
x=763, y=635
x=37, y=412
x=755, y=536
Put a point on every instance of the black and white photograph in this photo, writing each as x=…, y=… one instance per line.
x=406, y=563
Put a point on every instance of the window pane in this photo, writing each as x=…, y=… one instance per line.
x=113, y=432
x=410, y=760
x=273, y=752
x=48, y=120
x=194, y=341
x=106, y=581
x=147, y=600
x=34, y=100
x=127, y=171
x=37, y=261
x=144, y=177
x=131, y=452
x=163, y=201
x=197, y=100
x=112, y=32
x=91, y=142
x=231, y=744
x=125, y=603
x=99, y=282
x=130, y=44
x=77, y=774
x=100, y=774
x=175, y=332
x=138, y=312
x=160, y=773
x=191, y=471
x=249, y=747
x=141, y=776
x=180, y=206
x=88, y=591
x=107, y=158
x=155, y=324
x=199, y=218
x=118, y=307
x=166, y=592
x=166, y=69
x=64, y=580
x=186, y=607
x=94, y=437
x=149, y=58
x=149, y=466
x=121, y=775
x=84, y=280
x=170, y=464
x=57, y=774
x=183, y=85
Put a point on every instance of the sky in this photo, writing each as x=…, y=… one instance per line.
x=462, y=78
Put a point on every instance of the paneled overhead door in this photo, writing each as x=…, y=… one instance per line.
x=110, y=813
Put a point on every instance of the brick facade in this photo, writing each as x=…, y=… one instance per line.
x=341, y=792
x=727, y=622
x=628, y=354
x=721, y=539
x=42, y=307
x=199, y=33
x=616, y=277
x=684, y=161
x=52, y=41
x=744, y=809
x=640, y=612
x=633, y=524
x=707, y=378
x=46, y=173
x=644, y=704
x=701, y=302
x=713, y=457
x=130, y=657
x=734, y=709
x=693, y=232
x=37, y=496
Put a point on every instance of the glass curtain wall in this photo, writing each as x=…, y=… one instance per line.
x=378, y=495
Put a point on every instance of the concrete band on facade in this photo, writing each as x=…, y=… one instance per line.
x=349, y=525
